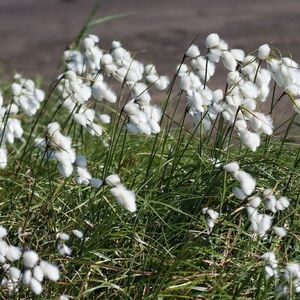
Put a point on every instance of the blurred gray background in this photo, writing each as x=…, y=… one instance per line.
x=34, y=33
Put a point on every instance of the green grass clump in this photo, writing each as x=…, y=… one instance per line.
x=164, y=251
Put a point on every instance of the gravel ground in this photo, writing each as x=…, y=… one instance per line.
x=34, y=33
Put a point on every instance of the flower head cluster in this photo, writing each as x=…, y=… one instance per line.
x=273, y=204
x=62, y=248
x=91, y=53
x=286, y=74
x=10, y=129
x=63, y=151
x=33, y=272
x=199, y=97
x=247, y=182
x=247, y=85
x=271, y=267
x=83, y=175
x=261, y=223
x=143, y=117
x=26, y=96
x=289, y=275
x=62, y=239
x=75, y=95
x=74, y=90
x=86, y=60
x=292, y=275
x=96, y=65
x=58, y=147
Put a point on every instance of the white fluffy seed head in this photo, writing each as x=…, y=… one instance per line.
x=223, y=45
x=271, y=204
x=88, y=43
x=229, y=61
x=26, y=277
x=233, y=78
x=78, y=233
x=214, y=215
x=249, y=104
x=264, y=224
x=64, y=236
x=13, y=253
x=267, y=192
x=16, y=89
x=70, y=75
x=284, y=201
x=263, y=51
x=269, y=271
x=63, y=249
x=292, y=270
x=238, y=193
x=210, y=223
x=3, y=232
x=80, y=119
x=14, y=273
x=3, y=248
x=193, y=51
x=218, y=95
x=106, y=59
x=212, y=40
x=150, y=69
x=248, y=186
x=162, y=83
x=50, y=271
x=250, y=139
x=185, y=82
x=214, y=55
x=238, y=54
x=124, y=197
x=254, y=201
x=232, y=167
x=35, y=286
x=65, y=170
x=53, y=128
x=38, y=273
x=104, y=118
x=280, y=231
x=95, y=129
x=269, y=257
x=113, y=180
x=248, y=89
x=247, y=182
x=115, y=44
x=182, y=69
x=252, y=212
x=30, y=258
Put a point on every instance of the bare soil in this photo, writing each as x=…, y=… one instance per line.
x=34, y=33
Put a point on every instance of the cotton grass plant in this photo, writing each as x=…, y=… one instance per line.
x=109, y=192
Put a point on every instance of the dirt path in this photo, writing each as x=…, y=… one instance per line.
x=34, y=33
